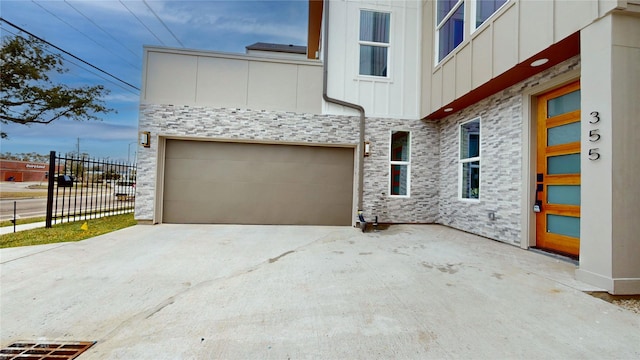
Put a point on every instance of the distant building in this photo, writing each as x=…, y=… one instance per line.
x=12, y=170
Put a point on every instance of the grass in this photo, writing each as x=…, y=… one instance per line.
x=23, y=221
x=67, y=231
x=22, y=194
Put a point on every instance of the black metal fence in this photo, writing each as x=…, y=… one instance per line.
x=81, y=188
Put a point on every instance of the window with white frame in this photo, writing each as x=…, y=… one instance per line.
x=469, y=172
x=374, y=43
x=450, y=29
x=400, y=163
x=449, y=26
x=483, y=9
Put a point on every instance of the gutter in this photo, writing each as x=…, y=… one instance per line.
x=356, y=107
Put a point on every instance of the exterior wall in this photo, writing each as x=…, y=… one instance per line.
x=501, y=165
x=609, y=245
x=186, y=77
x=208, y=123
x=511, y=36
x=199, y=122
x=422, y=204
x=397, y=96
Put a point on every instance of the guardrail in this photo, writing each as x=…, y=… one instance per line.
x=82, y=188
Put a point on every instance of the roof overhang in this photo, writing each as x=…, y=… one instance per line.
x=556, y=53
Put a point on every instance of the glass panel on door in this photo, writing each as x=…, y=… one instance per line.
x=563, y=104
x=563, y=164
x=563, y=194
x=563, y=134
x=563, y=225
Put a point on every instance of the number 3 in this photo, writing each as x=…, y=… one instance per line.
x=596, y=117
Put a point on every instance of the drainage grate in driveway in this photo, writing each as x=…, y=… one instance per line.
x=44, y=350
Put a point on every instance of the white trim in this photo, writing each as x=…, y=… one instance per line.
x=396, y=162
x=473, y=10
x=462, y=161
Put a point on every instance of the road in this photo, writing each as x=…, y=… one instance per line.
x=35, y=207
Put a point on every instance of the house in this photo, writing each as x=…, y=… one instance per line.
x=514, y=120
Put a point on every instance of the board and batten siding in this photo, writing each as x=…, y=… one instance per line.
x=205, y=78
x=515, y=33
x=398, y=95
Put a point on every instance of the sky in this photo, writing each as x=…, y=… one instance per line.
x=110, y=35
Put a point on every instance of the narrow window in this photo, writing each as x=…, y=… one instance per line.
x=400, y=164
x=483, y=9
x=470, y=159
x=374, y=43
x=449, y=26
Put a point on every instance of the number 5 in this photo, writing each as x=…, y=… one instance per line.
x=593, y=135
x=594, y=154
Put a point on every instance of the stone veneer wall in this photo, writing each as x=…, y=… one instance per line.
x=422, y=204
x=198, y=122
x=501, y=151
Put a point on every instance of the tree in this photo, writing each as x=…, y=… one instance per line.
x=29, y=96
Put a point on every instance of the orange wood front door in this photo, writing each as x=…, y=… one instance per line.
x=558, y=171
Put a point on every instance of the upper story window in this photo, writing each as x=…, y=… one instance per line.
x=449, y=26
x=450, y=29
x=374, y=43
x=483, y=10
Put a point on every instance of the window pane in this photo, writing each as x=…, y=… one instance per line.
x=443, y=8
x=373, y=60
x=471, y=180
x=563, y=194
x=563, y=225
x=470, y=139
x=563, y=134
x=399, y=179
x=486, y=8
x=451, y=33
x=563, y=164
x=374, y=26
x=563, y=104
x=399, y=146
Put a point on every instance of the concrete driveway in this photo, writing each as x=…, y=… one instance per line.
x=284, y=292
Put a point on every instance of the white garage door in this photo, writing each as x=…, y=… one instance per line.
x=244, y=183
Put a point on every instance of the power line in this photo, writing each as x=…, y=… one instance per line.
x=83, y=34
x=162, y=22
x=68, y=53
x=143, y=24
x=99, y=27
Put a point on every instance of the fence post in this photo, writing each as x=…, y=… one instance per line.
x=52, y=174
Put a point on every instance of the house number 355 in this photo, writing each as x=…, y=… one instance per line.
x=594, y=136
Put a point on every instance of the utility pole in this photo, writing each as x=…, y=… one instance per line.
x=78, y=147
x=129, y=152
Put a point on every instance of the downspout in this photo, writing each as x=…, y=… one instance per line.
x=359, y=108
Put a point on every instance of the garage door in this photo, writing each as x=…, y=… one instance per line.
x=242, y=183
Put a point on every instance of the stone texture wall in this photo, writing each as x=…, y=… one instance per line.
x=422, y=204
x=434, y=156
x=198, y=122
x=501, y=151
